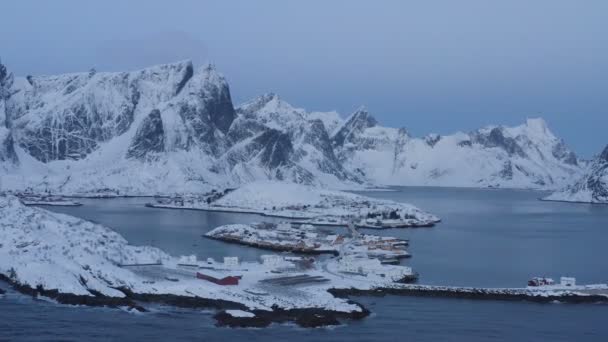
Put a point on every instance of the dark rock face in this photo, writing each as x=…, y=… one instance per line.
x=76, y=129
x=7, y=150
x=149, y=139
x=496, y=138
x=465, y=143
x=507, y=171
x=561, y=152
x=7, y=145
x=357, y=123
x=604, y=155
x=597, y=181
x=432, y=139
x=314, y=134
x=217, y=105
x=187, y=75
x=243, y=128
x=275, y=148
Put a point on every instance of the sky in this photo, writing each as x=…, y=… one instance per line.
x=428, y=66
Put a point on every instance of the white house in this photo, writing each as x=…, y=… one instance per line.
x=567, y=281
x=231, y=261
x=271, y=260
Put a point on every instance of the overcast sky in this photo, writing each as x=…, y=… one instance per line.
x=429, y=66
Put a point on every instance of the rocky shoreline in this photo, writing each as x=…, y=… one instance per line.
x=96, y=299
x=305, y=317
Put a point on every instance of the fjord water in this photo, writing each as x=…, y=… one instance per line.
x=487, y=238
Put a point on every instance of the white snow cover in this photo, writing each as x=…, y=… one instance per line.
x=240, y=313
x=592, y=187
x=460, y=159
x=305, y=238
x=38, y=247
x=199, y=154
x=310, y=204
x=74, y=256
x=57, y=251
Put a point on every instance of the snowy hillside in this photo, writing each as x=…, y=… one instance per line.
x=592, y=187
x=165, y=129
x=56, y=251
x=526, y=156
x=173, y=129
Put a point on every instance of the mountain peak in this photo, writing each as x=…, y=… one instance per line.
x=362, y=115
x=538, y=124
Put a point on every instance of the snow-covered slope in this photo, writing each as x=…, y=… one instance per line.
x=165, y=129
x=592, y=187
x=526, y=156
x=173, y=129
x=56, y=251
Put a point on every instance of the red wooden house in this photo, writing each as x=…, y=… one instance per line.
x=229, y=280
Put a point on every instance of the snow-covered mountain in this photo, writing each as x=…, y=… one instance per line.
x=592, y=187
x=164, y=129
x=173, y=129
x=526, y=156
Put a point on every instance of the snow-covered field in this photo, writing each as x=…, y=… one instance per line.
x=313, y=205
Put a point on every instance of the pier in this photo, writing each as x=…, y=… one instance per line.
x=579, y=294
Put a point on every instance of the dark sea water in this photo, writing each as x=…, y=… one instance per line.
x=487, y=238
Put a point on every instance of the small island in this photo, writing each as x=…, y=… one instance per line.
x=307, y=239
x=306, y=204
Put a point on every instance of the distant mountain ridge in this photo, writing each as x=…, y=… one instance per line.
x=173, y=128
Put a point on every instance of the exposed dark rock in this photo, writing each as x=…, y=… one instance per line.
x=507, y=171
x=149, y=139
x=276, y=148
x=218, y=106
x=496, y=138
x=96, y=299
x=432, y=139
x=306, y=318
x=561, y=152
x=187, y=75
x=465, y=143
x=604, y=155
x=315, y=135
x=7, y=148
x=356, y=124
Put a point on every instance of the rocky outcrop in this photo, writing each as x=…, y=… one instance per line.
x=526, y=156
x=592, y=187
x=7, y=149
x=149, y=139
x=496, y=138
x=354, y=126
